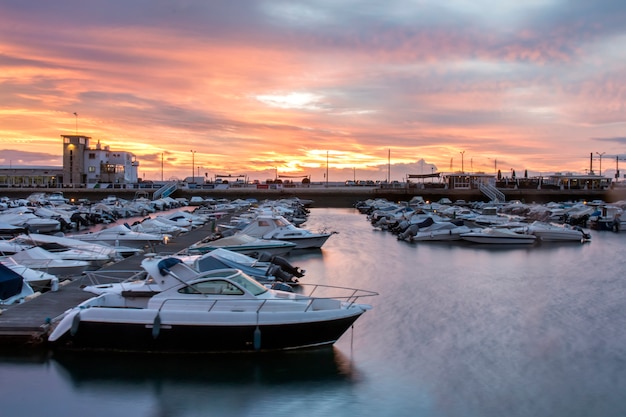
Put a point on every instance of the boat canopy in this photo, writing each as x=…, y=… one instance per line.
x=10, y=282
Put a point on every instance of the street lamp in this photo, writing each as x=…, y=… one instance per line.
x=193, y=165
x=462, y=165
x=600, y=155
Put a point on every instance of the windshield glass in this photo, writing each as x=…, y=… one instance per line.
x=249, y=284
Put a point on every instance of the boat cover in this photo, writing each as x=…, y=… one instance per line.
x=10, y=282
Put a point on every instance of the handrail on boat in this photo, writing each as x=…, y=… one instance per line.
x=351, y=299
x=109, y=277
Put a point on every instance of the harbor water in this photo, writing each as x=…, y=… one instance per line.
x=458, y=330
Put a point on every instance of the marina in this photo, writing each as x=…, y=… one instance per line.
x=458, y=329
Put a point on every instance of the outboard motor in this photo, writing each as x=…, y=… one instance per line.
x=409, y=232
x=281, y=275
x=287, y=267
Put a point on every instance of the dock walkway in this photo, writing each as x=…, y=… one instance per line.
x=28, y=323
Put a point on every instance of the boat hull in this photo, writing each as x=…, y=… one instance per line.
x=499, y=240
x=180, y=338
x=308, y=242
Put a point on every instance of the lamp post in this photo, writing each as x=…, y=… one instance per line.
x=600, y=155
x=462, y=164
x=76, y=120
x=193, y=166
x=326, y=169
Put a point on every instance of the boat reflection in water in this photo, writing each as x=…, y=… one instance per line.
x=324, y=365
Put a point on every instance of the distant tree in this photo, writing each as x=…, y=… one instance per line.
x=499, y=175
x=525, y=173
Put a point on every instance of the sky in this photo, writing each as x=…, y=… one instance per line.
x=353, y=89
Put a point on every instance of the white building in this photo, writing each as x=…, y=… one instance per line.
x=83, y=164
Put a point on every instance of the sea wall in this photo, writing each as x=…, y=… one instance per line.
x=338, y=196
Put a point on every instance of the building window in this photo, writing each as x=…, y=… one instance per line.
x=92, y=169
x=81, y=141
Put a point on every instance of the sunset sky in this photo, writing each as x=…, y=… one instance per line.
x=281, y=86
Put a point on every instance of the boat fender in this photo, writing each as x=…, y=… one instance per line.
x=75, y=324
x=156, y=326
x=257, y=338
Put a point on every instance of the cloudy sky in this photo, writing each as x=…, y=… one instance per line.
x=299, y=87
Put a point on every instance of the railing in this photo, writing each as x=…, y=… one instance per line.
x=165, y=191
x=115, y=276
x=492, y=192
x=257, y=305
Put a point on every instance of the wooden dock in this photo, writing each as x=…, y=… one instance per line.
x=28, y=324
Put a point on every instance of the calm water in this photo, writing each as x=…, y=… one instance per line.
x=457, y=330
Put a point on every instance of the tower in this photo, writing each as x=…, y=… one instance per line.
x=74, y=158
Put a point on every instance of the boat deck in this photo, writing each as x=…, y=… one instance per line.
x=27, y=324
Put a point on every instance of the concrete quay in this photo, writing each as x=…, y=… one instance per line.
x=336, y=196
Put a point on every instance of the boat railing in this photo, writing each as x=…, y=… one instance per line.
x=113, y=277
x=351, y=296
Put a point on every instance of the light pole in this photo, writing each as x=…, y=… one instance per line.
x=600, y=155
x=193, y=166
x=76, y=120
x=462, y=164
x=326, y=169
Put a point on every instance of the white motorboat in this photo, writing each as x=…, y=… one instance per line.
x=159, y=226
x=66, y=248
x=218, y=310
x=441, y=232
x=499, y=236
x=245, y=244
x=549, y=232
x=121, y=235
x=42, y=260
x=30, y=221
x=278, y=228
x=37, y=280
x=268, y=271
x=13, y=288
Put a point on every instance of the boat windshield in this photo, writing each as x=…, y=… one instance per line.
x=249, y=284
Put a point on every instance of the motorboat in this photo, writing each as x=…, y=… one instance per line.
x=217, y=310
x=30, y=221
x=7, y=229
x=607, y=217
x=159, y=226
x=278, y=228
x=66, y=248
x=549, y=232
x=37, y=280
x=269, y=270
x=13, y=288
x=499, y=236
x=42, y=260
x=121, y=235
x=439, y=232
x=244, y=243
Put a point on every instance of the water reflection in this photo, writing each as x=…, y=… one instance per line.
x=281, y=368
